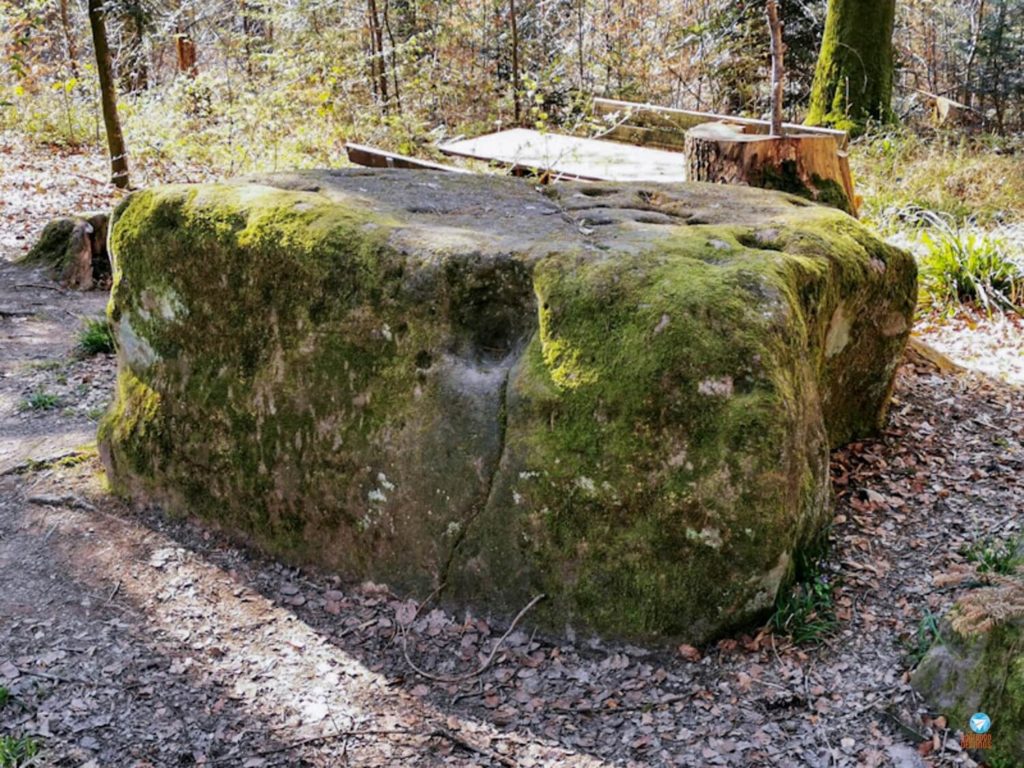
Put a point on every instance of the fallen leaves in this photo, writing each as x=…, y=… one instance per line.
x=211, y=653
x=689, y=653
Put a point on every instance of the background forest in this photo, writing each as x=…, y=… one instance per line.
x=219, y=88
x=283, y=82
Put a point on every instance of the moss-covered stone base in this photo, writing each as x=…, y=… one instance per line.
x=73, y=249
x=620, y=396
x=965, y=674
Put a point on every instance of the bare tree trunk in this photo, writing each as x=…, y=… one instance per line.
x=247, y=33
x=998, y=92
x=394, y=56
x=778, y=66
x=378, y=70
x=967, y=90
x=581, y=39
x=515, y=59
x=258, y=31
x=140, y=67
x=108, y=96
x=69, y=39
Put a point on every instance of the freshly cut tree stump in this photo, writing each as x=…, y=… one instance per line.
x=809, y=165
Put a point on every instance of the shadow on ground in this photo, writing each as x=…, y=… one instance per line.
x=127, y=638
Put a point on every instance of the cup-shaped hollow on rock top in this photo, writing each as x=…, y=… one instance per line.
x=620, y=396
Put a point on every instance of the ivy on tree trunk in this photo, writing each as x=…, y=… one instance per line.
x=854, y=76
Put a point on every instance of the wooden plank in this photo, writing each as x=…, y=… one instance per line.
x=653, y=116
x=570, y=157
x=372, y=157
x=671, y=139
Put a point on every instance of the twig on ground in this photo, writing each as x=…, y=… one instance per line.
x=357, y=628
x=468, y=694
x=49, y=676
x=238, y=759
x=419, y=609
x=89, y=178
x=487, y=662
x=469, y=746
x=42, y=286
x=644, y=706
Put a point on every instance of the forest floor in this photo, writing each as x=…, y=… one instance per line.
x=131, y=639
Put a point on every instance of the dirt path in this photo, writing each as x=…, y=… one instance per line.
x=127, y=639
x=49, y=398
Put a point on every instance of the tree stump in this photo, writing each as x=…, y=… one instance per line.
x=809, y=165
x=185, y=48
x=74, y=250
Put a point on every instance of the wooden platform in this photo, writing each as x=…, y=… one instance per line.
x=373, y=157
x=569, y=157
x=648, y=124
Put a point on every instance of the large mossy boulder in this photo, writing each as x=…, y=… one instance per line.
x=621, y=396
x=978, y=666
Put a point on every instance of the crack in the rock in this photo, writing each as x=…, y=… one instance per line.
x=489, y=487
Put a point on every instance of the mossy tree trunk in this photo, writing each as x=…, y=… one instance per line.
x=108, y=95
x=853, y=79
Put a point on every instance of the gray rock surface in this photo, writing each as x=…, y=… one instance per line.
x=620, y=396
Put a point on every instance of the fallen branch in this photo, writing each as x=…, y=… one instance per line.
x=68, y=500
x=483, y=667
x=908, y=730
x=31, y=464
x=920, y=353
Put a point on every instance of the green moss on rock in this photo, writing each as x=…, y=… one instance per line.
x=73, y=249
x=786, y=178
x=426, y=379
x=51, y=249
x=983, y=672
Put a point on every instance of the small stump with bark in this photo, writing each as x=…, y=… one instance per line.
x=809, y=165
x=74, y=250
